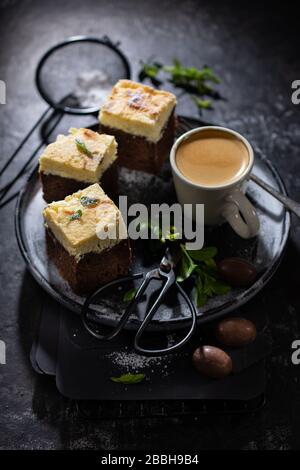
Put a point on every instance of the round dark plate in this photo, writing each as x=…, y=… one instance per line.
x=265, y=251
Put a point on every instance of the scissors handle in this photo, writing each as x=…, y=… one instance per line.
x=151, y=313
x=124, y=318
x=169, y=280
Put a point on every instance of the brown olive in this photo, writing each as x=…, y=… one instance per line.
x=235, y=332
x=238, y=272
x=212, y=362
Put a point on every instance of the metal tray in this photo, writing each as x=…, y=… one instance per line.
x=265, y=251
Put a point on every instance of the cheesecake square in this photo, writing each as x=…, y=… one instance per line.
x=143, y=121
x=75, y=161
x=87, y=239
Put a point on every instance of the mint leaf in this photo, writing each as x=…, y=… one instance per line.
x=89, y=201
x=202, y=104
x=201, y=263
x=210, y=267
x=83, y=148
x=205, y=254
x=187, y=266
x=219, y=287
x=191, y=79
x=150, y=71
x=128, y=379
x=200, y=297
x=76, y=215
x=207, y=285
x=129, y=295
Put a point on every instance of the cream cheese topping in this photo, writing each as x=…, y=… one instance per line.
x=81, y=220
x=137, y=109
x=64, y=157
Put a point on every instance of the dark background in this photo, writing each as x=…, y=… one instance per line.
x=253, y=48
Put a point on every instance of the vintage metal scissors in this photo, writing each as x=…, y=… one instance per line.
x=166, y=273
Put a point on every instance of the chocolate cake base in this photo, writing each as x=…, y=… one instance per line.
x=93, y=269
x=138, y=153
x=56, y=188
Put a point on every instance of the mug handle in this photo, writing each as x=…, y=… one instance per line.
x=236, y=203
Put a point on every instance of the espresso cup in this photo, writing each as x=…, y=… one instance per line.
x=222, y=203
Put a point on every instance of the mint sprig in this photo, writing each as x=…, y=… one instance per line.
x=150, y=71
x=76, y=215
x=198, y=83
x=83, y=148
x=89, y=201
x=201, y=263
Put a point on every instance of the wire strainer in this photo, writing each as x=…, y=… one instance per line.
x=73, y=77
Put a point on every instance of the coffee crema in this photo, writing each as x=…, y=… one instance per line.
x=212, y=158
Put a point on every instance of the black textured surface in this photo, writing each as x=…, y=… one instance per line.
x=254, y=50
x=84, y=369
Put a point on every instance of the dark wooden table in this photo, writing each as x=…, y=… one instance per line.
x=254, y=50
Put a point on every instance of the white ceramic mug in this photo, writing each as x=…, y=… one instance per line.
x=222, y=203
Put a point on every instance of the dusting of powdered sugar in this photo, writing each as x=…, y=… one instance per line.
x=129, y=361
x=132, y=362
x=92, y=88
